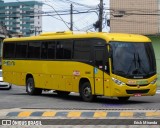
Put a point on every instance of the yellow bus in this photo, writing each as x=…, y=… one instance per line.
x=91, y=64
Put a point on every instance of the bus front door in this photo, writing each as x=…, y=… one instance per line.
x=99, y=67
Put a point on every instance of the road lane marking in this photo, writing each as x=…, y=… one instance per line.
x=78, y=114
x=100, y=114
x=74, y=114
x=126, y=114
x=49, y=114
x=24, y=114
x=151, y=114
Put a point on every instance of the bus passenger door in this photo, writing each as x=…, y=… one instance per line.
x=99, y=67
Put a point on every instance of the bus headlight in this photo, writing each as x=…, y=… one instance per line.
x=154, y=81
x=118, y=81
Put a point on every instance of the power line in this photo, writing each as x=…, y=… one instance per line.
x=64, y=12
x=45, y=14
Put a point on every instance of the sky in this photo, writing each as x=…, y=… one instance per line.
x=81, y=22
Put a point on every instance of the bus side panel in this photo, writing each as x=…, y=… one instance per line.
x=55, y=75
x=75, y=82
x=59, y=72
x=70, y=74
x=45, y=74
x=18, y=78
x=51, y=81
x=38, y=80
x=13, y=72
x=8, y=77
x=107, y=85
x=99, y=82
x=68, y=83
x=81, y=71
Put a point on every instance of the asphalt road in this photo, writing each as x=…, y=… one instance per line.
x=18, y=98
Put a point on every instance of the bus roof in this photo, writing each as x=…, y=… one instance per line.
x=69, y=35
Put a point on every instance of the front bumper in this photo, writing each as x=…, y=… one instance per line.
x=125, y=90
x=5, y=85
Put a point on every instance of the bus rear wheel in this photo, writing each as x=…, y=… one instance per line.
x=86, y=92
x=123, y=99
x=30, y=87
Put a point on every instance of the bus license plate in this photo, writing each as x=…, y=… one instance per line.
x=138, y=94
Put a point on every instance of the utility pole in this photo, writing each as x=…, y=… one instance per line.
x=35, y=30
x=71, y=18
x=100, y=15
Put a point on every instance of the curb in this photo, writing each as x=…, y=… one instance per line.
x=78, y=114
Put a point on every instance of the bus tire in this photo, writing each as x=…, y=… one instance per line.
x=30, y=87
x=86, y=92
x=62, y=93
x=123, y=99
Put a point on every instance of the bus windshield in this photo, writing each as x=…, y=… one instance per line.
x=133, y=60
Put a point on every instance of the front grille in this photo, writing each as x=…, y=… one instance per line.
x=137, y=85
x=137, y=91
x=3, y=85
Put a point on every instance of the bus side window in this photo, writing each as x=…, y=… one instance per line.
x=82, y=50
x=64, y=49
x=51, y=49
x=48, y=50
x=10, y=48
x=59, y=50
x=99, y=58
x=21, y=50
x=34, y=50
x=44, y=50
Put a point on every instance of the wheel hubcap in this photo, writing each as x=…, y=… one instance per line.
x=30, y=87
x=87, y=92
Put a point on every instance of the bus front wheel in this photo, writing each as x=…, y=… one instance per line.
x=30, y=87
x=86, y=92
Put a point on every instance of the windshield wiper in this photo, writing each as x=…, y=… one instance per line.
x=138, y=68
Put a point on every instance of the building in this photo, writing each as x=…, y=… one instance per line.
x=3, y=34
x=138, y=17
x=134, y=16
x=22, y=17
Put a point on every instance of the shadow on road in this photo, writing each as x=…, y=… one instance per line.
x=107, y=101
